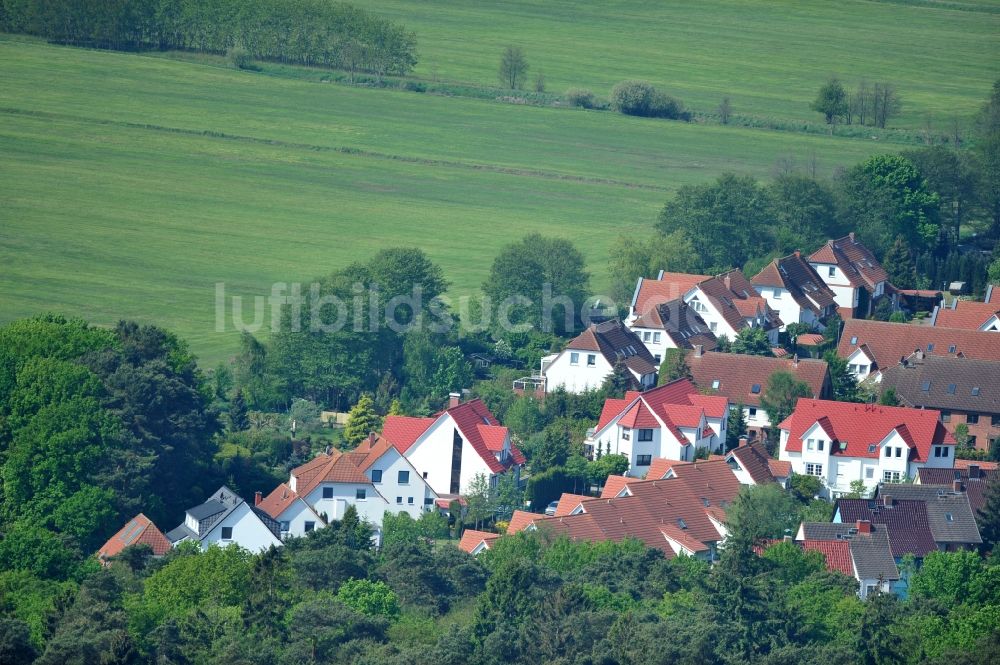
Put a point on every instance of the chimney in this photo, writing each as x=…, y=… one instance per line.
x=454, y=399
x=956, y=486
x=795, y=359
x=973, y=471
x=371, y=438
x=787, y=538
x=851, y=236
x=887, y=501
x=699, y=350
x=864, y=526
x=798, y=253
x=257, y=497
x=743, y=440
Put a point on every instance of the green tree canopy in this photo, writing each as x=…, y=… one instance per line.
x=361, y=421
x=831, y=100
x=780, y=395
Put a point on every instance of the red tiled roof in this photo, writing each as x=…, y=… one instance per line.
x=837, y=553
x=614, y=485
x=659, y=466
x=963, y=464
x=780, y=469
x=860, y=425
x=778, y=352
x=683, y=538
x=810, y=339
x=471, y=539
x=677, y=404
x=888, y=343
x=338, y=467
x=140, y=530
x=967, y=315
x=519, y=521
x=403, y=431
x=669, y=286
x=616, y=342
x=992, y=294
x=737, y=374
x=712, y=482
x=568, y=503
x=278, y=500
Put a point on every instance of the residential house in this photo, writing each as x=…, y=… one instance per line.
x=727, y=303
x=950, y=515
x=796, y=292
x=375, y=478
x=139, y=530
x=672, y=325
x=450, y=449
x=226, y=519
x=590, y=358
x=743, y=379
x=974, y=480
x=841, y=442
x=672, y=421
x=663, y=514
x=964, y=390
x=296, y=517
x=752, y=465
x=870, y=346
x=854, y=275
x=475, y=542
x=871, y=559
x=967, y=315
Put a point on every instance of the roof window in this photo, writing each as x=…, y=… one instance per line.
x=975, y=391
x=681, y=523
x=925, y=386
x=755, y=389
x=854, y=340
x=951, y=388
x=951, y=349
x=930, y=346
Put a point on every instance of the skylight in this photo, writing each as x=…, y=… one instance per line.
x=930, y=346
x=925, y=386
x=975, y=391
x=755, y=388
x=872, y=447
x=951, y=349
x=854, y=340
x=951, y=388
x=681, y=523
x=949, y=517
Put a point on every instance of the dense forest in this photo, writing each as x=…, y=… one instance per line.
x=305, y=32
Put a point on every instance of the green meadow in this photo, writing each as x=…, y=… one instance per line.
x=131, y=185
x=769, y=56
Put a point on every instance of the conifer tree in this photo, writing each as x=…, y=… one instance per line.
x=361, y=421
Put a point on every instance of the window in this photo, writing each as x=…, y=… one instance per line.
x=951, y=349
x=409, y=500
x=656, y=338
x=972, y=441
x=753, y=412
x=930, y=346
x=646, y=336
x=399, y=499
x=284, y=525
x=657, y=358
x=819, y=444
x=755, y=389
x=972, y=418
x=832, y=272
x=870, y=472
x=995, y=420
x=327, y=492
x=862, y=369
x=925, y=386
x=404, y=477
x=645, y=435
x=425, y=475
x=643, y=460
x=428, y=500
x=890, y=476
x=811, y=444
x=574, y=358
x=777, y=294
x=975, y=391
x=591, y=360
x=949, y=517
x=853, y=368
x=872, y=447
x=227, y=533
x=376, y=475
x=946, y=416
x=681, y=523
x=626, y=434
x=951, y=388
x=854, y=340
x=814, y=469
x=940, y=451
x=713, y=326
x=715, y=384
x=899, y=452
x=310, y=526
x=360, y=494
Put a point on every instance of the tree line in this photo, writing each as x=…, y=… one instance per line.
x=303, y=32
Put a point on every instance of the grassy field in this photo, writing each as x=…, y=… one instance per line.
x=131, y=185
x=769, y=56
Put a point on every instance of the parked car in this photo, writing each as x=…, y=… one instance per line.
x=551, y=508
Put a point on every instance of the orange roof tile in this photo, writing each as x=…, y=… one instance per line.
x=519, y=521
x=568, y=503
x=140, y=530
x=471, y=539
x=837, y=553
x=967, y=315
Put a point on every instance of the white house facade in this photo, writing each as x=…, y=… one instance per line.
x=226, y=519
x=590, y=358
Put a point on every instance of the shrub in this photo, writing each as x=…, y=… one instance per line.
x=642, y=99
x=580, y=97
x=414, y=86
x=240, y=58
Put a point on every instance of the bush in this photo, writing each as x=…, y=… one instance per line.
x=642, y=99
x=413, y=86
x=580, y=97
x=240, y=58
